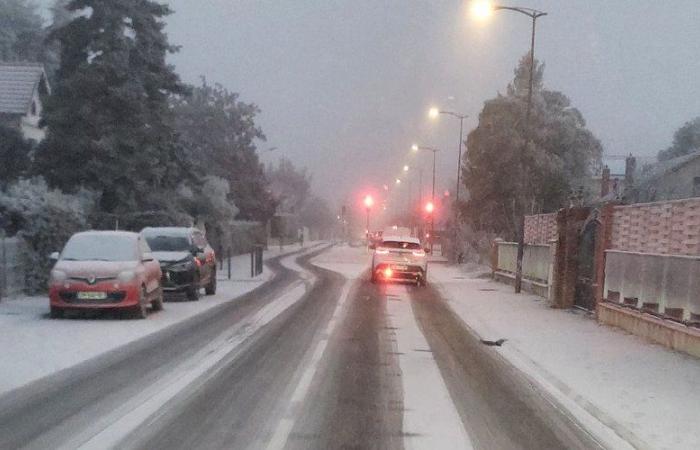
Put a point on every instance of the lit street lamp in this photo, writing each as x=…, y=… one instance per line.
x=482, y=10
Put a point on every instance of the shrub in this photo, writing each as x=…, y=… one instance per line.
x=44, y=218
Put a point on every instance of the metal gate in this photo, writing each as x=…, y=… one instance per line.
x=584, y=297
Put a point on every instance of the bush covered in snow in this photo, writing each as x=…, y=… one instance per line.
x=44, y=218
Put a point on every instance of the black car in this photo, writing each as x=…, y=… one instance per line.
x=186, y=259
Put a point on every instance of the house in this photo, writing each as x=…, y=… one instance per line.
x=22, y=87
x=673, y=179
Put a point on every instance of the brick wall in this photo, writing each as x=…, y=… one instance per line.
x=666, y=228
x=540, y=228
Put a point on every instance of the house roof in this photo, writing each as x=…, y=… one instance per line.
x=669, y=166
x=18, y=82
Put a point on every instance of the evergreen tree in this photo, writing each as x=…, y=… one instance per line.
x=109, y=121
x=513, y=169
x=21, y=33
x=219, y=134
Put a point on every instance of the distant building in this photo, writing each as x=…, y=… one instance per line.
x=673, y=179
x=22, y=88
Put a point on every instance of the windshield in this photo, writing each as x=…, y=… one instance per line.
x=401, y=245
x=162, y=243
x=95, y=247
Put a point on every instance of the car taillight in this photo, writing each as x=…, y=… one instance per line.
x=382, y=251
x=419, y=253
x=388, y=272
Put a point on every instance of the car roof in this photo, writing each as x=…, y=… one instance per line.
x=172, y=231
x=401, y=239
x=129, y=234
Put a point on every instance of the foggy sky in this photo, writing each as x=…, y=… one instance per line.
x=344, y=85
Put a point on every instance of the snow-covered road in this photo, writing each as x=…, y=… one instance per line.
x=34, y=346
x=319, y=357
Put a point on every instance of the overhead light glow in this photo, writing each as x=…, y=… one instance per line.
x=433, y=113
x=481, y=9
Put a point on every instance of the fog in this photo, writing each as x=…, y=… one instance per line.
x=344, y=85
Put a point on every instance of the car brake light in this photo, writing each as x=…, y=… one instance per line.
x=198, y=262
x=382, y=251
x=419, y=253
x=388, y=272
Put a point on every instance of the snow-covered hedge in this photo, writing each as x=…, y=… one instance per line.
x=44, y=218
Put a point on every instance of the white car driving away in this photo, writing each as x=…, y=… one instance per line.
x=400, y=258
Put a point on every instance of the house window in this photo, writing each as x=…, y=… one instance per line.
x=696, y=187
x=33, y=108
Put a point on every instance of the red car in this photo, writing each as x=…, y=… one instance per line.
x=105, y=270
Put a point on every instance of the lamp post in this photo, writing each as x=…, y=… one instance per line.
x=434, y=113
x=483, y=9
x=369, y=202
x=415, y=148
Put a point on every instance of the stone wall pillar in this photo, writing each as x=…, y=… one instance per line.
x=603, y=242
x=569, y=224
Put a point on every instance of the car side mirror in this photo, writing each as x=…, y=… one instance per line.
x=54, y=256
x=194, y=250
x=426, y=249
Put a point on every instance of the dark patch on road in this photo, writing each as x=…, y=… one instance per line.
x=498, y=405
x=242, y=404
x=356, y=399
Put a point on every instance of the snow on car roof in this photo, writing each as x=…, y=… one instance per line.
x=401, y=239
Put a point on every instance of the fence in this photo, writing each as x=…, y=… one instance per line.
x=663, y=285
x=537, y=265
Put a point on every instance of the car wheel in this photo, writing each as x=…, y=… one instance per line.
x=157, y=304
x=56, y=313
x=193, y=291
x=140, y=311
x=210, y=288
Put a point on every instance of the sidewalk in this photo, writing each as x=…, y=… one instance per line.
x=34, y=346
x=643, y=393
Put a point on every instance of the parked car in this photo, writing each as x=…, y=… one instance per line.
x=186, y=259
x=400, y=258
x=105, y=270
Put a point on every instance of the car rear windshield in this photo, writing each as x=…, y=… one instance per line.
x=401, y=244
x=164, y=243
x=93, y=247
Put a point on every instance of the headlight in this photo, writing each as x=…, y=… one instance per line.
x=126, y=276
x=58, y=276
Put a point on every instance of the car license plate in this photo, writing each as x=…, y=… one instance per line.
x=401, y=268
x=92, y=295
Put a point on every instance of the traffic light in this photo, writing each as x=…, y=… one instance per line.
x=429, y=207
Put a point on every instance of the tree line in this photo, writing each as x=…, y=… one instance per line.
x=121, y=124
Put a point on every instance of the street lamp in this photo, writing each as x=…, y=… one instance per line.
x=483, y=9
x=434, y=113
x=369, y=202
x=415, y=148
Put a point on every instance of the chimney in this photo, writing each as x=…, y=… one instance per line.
x=630, y=166
x=605, y=182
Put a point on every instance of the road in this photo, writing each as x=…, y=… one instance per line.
x=315, y=359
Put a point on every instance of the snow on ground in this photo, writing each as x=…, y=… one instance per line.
x=430, y=419
x=647, y=394
x=34, y=346
x=348, y=261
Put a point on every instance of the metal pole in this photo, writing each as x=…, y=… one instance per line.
x=456, y=203
x=432, y=214
x=228, y=259
x=520, y=216
x=252, y=263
